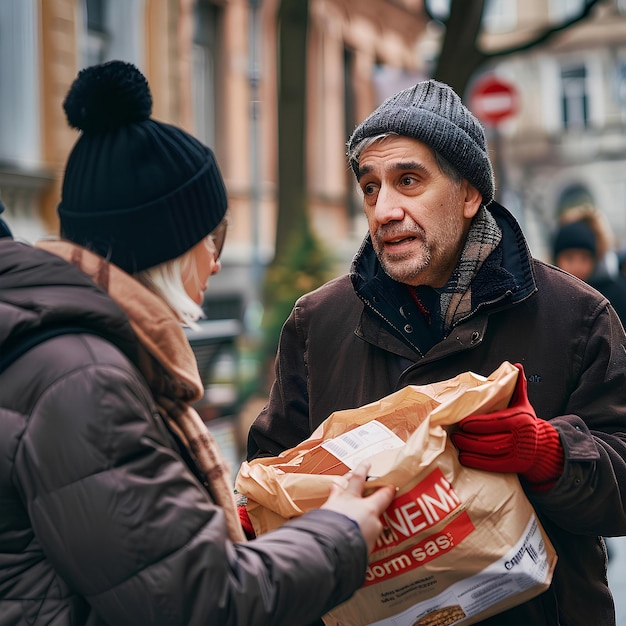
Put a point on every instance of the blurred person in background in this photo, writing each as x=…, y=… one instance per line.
x=444, y=283
x=117, y=507
x=582, y=246
x=5, y=231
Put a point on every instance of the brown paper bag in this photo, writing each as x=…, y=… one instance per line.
x=459, y=544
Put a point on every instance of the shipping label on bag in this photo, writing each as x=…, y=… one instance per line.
x=458, y=544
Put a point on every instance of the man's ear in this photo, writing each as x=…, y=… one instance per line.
x=473, y=200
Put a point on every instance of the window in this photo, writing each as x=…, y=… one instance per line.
x=112, y=29
x=565, y=9
x=97, y=41
x=205, y=70
x=19, y=87
x=499, y=15
x=22, y=177
x=574, y=97
x=619, y=85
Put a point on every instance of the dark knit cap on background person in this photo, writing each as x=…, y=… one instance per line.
x=137, y=191
x=433, y=113
x=574, y=236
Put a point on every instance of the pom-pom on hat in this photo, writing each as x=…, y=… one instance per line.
x=137, y=191
x=433, y=113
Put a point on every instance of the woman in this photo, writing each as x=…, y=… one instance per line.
x=116, y=504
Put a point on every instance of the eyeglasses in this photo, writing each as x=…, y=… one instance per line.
x=219, y=237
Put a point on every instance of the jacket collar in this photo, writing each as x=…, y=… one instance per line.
x=505, y=279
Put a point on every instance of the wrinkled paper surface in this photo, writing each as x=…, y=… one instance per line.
x=459, y=544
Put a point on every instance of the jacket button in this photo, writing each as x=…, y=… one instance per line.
x=408, y=328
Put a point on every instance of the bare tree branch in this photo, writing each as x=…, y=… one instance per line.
x=461, y=56
x=547, y=33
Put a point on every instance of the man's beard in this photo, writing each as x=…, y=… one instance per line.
x=406, y=267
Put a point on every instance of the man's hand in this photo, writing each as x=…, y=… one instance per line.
x=512, y=440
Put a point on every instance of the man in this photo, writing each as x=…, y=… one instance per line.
x=580, y=247
x=444, y=283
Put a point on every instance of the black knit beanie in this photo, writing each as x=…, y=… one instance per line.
x=434, y=114
x=137, y=191
x=574, y=236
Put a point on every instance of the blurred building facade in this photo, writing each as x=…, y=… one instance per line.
x=567, y=143
x=200, y=59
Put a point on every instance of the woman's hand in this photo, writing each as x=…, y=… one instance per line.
x=346, y=497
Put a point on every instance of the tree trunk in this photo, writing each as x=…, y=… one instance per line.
x=293, y=16
x=460, y=43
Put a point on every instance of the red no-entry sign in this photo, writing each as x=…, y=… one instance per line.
x=493, y=100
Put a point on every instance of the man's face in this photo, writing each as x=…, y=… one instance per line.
x=418, y=217
x=577, y=261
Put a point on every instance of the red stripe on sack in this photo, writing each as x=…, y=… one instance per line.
x=427, y=550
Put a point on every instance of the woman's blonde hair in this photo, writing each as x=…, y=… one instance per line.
x=166, y=280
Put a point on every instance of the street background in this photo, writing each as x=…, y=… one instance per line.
x=275, y=87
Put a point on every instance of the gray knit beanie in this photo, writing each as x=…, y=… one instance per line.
x=434, y=114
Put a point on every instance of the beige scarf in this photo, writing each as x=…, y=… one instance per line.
x=168, y=364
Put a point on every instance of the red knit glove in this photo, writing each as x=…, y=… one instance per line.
x=512, y=440
x=246, y=524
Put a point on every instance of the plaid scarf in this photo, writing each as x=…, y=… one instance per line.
x=168, y=364
x=456, y=297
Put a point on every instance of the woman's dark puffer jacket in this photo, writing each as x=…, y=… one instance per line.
x=102, y=522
